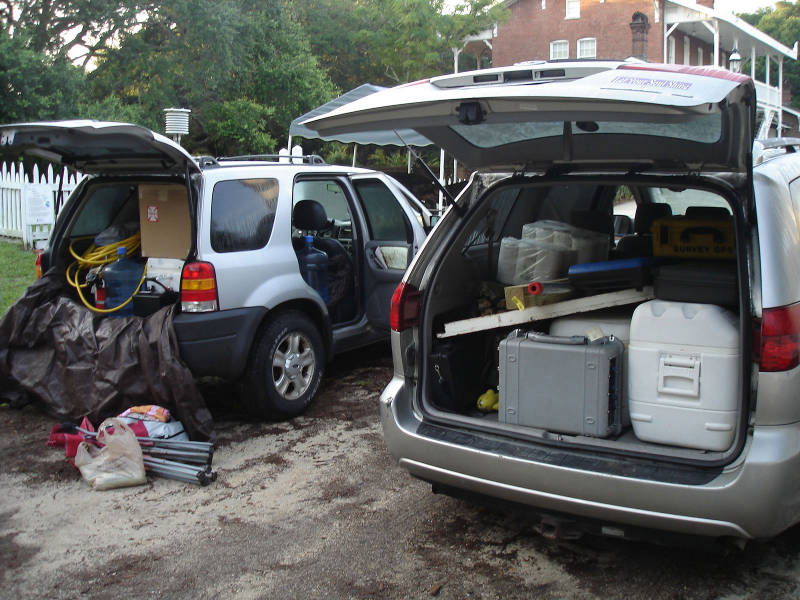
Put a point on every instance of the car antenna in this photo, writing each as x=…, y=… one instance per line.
x=439, y=184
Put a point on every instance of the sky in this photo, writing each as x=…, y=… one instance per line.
x=743, y=6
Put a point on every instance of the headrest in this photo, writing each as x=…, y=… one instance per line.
x=708, y=212
x=647, y=213
x=309, y=214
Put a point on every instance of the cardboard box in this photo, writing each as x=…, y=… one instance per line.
x=164, y=221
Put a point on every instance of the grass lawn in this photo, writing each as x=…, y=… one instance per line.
x=17, y=272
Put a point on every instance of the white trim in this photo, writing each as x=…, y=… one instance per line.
x=671, y=51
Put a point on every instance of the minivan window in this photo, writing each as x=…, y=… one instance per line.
x=385, y=217
x=242, y=214
x=706, y=129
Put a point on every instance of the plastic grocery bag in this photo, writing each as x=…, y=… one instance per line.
x=117, y=464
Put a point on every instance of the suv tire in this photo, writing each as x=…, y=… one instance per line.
x=285, y=367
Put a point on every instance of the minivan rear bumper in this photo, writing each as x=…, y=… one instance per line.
x=751, y=498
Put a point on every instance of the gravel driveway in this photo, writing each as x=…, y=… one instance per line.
x=316, y=508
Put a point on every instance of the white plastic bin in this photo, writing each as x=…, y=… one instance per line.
x=683, y=379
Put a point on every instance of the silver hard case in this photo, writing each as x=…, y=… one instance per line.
x=562, y=384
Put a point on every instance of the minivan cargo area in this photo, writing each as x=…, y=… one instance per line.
x=541, y=324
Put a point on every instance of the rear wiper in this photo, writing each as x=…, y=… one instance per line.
x=445, y=192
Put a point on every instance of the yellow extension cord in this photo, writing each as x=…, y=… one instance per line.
x=95, y=257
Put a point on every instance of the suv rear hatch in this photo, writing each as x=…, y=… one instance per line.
x=137, y=188
x=675, y=142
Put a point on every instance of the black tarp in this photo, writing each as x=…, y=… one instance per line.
x=76, y=363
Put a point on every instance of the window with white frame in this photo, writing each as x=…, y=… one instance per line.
x=686, y=51
x=671, y=51
x=559, y=49
x=573, y=9
x=587, y=48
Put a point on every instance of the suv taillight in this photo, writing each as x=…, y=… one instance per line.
x=199, y=288
x=779, y=338
x=405, y=307
x=38, y=263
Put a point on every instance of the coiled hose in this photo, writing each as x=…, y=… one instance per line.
x=95, y=258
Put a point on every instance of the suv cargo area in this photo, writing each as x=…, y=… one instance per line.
x=635, y=344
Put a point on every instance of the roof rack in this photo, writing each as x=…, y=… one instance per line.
x=309, y=159
x=767, y=148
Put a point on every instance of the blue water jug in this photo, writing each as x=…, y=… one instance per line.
x=121, y=279
x=314, y=267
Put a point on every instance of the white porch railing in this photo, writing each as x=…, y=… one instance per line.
x=27, y=204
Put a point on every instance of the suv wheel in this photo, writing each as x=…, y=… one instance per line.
x=285, y=367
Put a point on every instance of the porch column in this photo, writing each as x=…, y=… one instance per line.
x=780, y=95
x=753, y=63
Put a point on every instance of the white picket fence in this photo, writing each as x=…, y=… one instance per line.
x=28, y=204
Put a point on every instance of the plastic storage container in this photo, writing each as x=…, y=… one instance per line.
x=121, y=278
x=561, y=384
x=599, y=323
x=314, y=267
x=684, y=369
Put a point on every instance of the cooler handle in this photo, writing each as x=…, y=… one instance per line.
x=681, y=368
x=687, y=233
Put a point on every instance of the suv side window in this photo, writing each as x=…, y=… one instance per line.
x=385, y=217
x=242, y=214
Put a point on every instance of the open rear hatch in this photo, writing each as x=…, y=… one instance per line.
x=137, y=198
x=661, y=361
x=703, y=118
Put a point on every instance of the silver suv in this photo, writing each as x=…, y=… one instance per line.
x=648, y=379
x=222, y=237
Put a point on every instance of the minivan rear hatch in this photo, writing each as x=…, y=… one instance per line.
x=622, y=116
x=95, y=147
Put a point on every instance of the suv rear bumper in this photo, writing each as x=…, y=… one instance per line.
x=218, y=343
x=751, y=498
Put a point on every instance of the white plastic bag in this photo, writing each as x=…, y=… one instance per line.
x=117, y=464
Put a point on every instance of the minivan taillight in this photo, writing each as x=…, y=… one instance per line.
x=405, y=307
x=779, y=344
x=199, y=287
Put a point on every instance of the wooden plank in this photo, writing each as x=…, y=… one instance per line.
x=548, y=311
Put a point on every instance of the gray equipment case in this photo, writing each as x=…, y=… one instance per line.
x=561, y=384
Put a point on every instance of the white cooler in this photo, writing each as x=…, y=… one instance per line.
x=683, y=374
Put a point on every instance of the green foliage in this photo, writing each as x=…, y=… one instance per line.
x=17, y=272
x=391, y=41
x=383, y=158
x=216, y=58
x=238, y=125
x=74, y=28
x=783, y=24
x=34, y=86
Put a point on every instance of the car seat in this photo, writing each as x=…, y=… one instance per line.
x=641, y=242
x=310, y=216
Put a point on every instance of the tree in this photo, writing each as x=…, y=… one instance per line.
x=217, y=58
x=783, y=24
x=391, y=41
x=34, y=86
x=75, y=28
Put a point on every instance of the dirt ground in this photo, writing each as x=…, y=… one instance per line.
x=316, y=508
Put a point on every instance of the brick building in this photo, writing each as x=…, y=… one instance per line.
x=670, y=31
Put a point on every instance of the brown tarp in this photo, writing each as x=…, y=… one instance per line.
x=77, y=364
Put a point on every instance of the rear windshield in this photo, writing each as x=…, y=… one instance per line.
x=706, y=129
